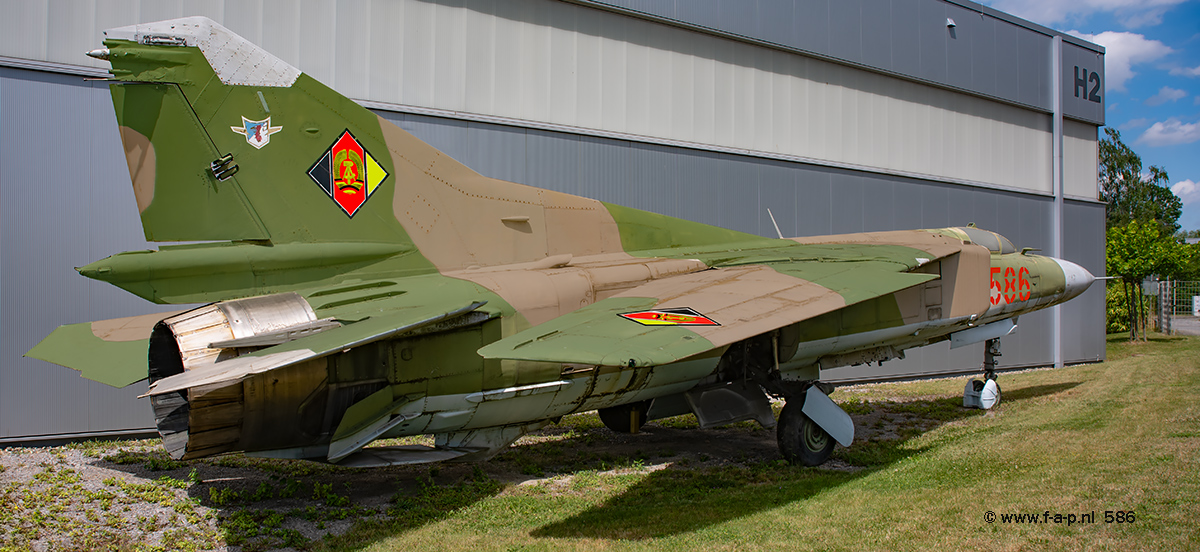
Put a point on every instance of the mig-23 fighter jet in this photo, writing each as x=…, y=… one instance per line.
x=361, y=284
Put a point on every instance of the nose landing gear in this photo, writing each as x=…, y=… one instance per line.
x=985, y=394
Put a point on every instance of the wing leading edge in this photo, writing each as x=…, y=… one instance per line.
x=674, y=318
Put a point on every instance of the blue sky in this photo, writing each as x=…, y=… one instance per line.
x=1152, y=69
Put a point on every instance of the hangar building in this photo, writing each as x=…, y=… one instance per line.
x=837, y=115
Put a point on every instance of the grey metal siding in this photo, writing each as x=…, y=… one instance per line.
x=65, y=200
x=905, y=37
x=966, y=54
x=1006, y=65
x=987, y=52
x=1084, y=318
x=933, y=35
x=846, y=30
x=1079, y=101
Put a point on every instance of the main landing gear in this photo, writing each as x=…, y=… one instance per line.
x=801, y=440
x=985, y=394
x=810, y=423
x=748, y=373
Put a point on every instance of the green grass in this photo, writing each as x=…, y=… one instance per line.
x=1121, y=436
x=1118, y=436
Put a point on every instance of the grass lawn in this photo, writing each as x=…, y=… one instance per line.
x=1119, y=437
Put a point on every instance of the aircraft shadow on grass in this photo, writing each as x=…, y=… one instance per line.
x=700, y=499
x=712, y=493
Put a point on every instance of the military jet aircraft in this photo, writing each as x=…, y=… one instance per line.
x=361, y=284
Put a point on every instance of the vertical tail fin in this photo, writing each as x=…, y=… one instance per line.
x=227, y=142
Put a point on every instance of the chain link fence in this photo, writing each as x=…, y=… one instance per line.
x=1180, y=312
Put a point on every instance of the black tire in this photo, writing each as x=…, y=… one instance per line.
x=801, y=441
x=625, y=418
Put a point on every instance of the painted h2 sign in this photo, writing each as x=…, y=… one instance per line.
x=1081, y=84
x=1082, y=81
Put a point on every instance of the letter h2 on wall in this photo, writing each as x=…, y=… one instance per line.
x=1082, y=78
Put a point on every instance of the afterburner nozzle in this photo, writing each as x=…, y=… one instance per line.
x=1078, y=279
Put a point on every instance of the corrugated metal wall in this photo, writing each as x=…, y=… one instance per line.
x=1081, y=157
x=987, y=52
x=553, y=62
x=65, y=201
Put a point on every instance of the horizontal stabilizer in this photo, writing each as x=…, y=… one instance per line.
x=314, y=346
x=673, y=318
x=112, y=352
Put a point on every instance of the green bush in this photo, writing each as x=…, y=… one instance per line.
x=1117, y=309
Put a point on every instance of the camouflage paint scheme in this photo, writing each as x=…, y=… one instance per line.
x=442, y=301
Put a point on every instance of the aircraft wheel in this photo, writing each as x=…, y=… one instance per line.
x=989, y=396
x=802, y=441
x=625, y=418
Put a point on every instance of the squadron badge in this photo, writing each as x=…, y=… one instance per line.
x=348, y=173
x=670, y=317
x=257, y=133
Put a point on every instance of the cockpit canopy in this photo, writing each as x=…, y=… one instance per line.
x=991, y=240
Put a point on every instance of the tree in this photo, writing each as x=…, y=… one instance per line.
x=1132, y=195
x=1134, y=252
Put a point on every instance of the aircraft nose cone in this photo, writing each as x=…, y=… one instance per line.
x=1078, y=279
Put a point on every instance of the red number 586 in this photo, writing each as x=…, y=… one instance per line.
x=1014, y=286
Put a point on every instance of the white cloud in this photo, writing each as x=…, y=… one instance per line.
x=1166, y=94
x=1121, y=52
x=1170, y=132
x=1186, y=71
x=1131, y=13
x=1135, y=123
x=1187, y=191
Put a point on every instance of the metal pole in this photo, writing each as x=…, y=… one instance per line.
x=1056, y=176
x=1170, y=304
x=1161, y=295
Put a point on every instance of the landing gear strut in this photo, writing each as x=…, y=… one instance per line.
x=985, y=394
x=810, y=423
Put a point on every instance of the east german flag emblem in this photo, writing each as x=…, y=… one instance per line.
x=348, y=173
x=670, y=317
